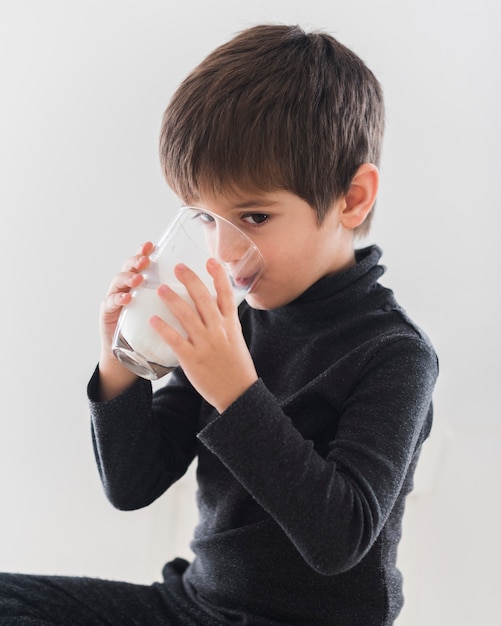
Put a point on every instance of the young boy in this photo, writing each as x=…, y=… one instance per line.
x=307, y=407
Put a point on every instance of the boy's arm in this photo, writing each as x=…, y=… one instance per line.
x=143, y=442
x=333, y=508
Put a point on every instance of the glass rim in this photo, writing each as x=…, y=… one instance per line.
x=186, y=208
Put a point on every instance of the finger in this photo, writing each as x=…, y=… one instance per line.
x=171, y=336
x=139, y=261
x=205, y=302
x=224, y=289
x=124, y=282
x=114, y=302
x=187, y=316
x=146, y=249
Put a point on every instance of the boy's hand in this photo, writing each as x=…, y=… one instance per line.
x=114, y=377
x=214, y=355
x=119, y=292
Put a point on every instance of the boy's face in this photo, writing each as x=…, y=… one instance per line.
x=297, y=251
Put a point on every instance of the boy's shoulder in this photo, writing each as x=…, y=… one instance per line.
x=350, y=313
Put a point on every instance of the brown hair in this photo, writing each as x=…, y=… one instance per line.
x=274, y=108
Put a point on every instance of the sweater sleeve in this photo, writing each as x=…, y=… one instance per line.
x=143, y=442
x=333, y=507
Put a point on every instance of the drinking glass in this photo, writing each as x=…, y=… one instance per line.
x=194, y=236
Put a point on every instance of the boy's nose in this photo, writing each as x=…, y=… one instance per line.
x=227, y=244
x=230, y=246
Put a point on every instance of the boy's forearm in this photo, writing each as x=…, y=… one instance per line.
x=133, y=428
x=347, y=493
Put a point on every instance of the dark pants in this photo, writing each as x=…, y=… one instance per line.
x=28, y=600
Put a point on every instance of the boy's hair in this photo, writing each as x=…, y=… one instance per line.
x=274, y=108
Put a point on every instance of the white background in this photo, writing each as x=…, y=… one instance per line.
x=82, y=89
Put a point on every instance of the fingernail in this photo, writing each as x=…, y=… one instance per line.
x=155, y=321
x=163, y=290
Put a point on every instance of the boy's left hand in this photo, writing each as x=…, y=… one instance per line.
x=214, y=355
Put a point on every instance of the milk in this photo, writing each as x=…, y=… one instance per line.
x=137, y=345
x=137, y=331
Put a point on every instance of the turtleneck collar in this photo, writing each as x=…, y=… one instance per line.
x=337, y=294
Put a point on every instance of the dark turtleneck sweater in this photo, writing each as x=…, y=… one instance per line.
x=302, y=481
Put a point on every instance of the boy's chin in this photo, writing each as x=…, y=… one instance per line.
x=262, y=303
x=254, y=301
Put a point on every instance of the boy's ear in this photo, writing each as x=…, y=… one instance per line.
x=361, y=196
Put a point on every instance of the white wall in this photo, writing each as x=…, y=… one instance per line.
x=83, y=86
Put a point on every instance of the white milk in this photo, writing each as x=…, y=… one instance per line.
x=137, y=331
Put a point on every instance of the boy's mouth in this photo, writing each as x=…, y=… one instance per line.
x=243, y=282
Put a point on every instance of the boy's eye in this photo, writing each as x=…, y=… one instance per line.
x=205, y=218
x=255, y=219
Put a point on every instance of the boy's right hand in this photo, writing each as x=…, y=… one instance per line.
x=114, y=376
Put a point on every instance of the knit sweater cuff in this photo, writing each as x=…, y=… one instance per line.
x=138, y=395
x=238, y=432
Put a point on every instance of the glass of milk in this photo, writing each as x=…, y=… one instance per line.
x=194, y=236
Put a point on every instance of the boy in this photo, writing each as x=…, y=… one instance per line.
x=307, y=407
